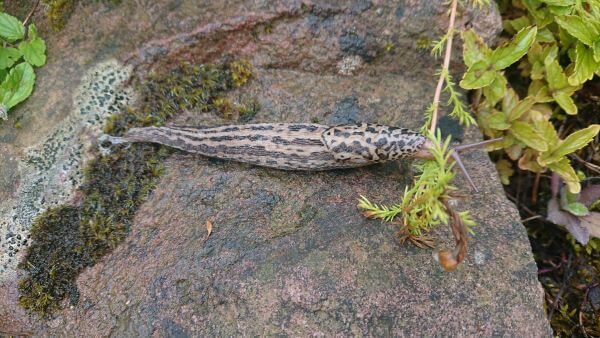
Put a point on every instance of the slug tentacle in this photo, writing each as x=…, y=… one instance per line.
x=289, y=146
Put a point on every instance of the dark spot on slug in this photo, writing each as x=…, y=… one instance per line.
x=261, y=127
x=381, y=142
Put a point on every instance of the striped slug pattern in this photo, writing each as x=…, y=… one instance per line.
x=289, y=146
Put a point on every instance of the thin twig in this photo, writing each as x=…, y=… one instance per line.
x=589, y=165
x=534, y=190
x=531, y=218
x=447, y=55
x=31, y=13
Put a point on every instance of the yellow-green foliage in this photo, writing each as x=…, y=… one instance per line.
x=68, y=238
x=556, y=45
x=421, y=207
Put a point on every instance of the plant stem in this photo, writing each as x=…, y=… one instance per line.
x=446, y=65
x=31, y=13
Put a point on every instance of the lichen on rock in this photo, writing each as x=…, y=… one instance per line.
x=52, y=169
x=71, y=236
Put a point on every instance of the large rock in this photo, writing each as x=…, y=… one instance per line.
x=289, y=254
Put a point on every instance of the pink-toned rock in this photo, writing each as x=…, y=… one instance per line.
x=289, y=254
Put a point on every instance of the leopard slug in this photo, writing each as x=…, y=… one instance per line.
x=290, y=146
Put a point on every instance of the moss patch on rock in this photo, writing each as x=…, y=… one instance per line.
x=68, y=238
x=58, y=12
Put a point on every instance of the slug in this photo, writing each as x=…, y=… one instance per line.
x=290, y=146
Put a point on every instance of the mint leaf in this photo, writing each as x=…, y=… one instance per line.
x=479, y=75
x=17, y=86
x=510, y=53
x=576, y=26
x=526, y=134
x=585, y=65
x=11, y=28
x=565, y=101
x=8, y=57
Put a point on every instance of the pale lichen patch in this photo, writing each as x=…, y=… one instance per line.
x=52, y=169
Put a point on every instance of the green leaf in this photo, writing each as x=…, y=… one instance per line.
x=521, y=108
x=32, y=32
x=555, y=76
x=559, y=10
x=576, y=208
x=573, y=142
x=8, y=57
x=515, y=25
x=579, y=28
x=597, y=51
x=477, y=76
x=545, y=35
x=559, y=2
x=585, y=65
x=526, y=134
x=565, y=101
x=496, y=90
x=498, y=121
x=17, y=86
x=34, y=51
x=11, y=28
x=474, y=49
x=567, y=173
x=546, y=129
x=510, y=53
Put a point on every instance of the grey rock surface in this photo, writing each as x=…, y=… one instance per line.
x=289, y=254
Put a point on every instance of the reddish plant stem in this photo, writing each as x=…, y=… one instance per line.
x=445, y=67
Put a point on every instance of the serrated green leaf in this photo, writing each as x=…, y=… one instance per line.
x=510, y=53
x=34, y=51
x=547, y=131
x=477, y=76
x=565, y=101
x=520, y=109
x=579, y=28
x=585, y=65
x=597, y=51
x=17, y=86
x=498, y=121
x=539, y=90
x=567, y=173
x=496, y=90
x=545, y=36
x=525, y=133
x=573, y=142
x=31, y=32
x=555, y=76
x=8, y=57
x=11, y=28
x=474, y=49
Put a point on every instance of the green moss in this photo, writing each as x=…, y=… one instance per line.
x=69, y=238
x=248, y=109
x=58, y=12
